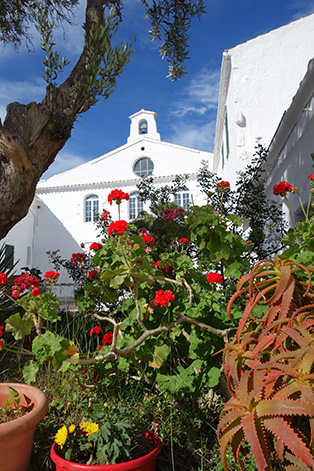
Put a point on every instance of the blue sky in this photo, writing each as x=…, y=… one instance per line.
x=186, y=108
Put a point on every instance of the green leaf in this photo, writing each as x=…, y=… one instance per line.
x=30, y=371
x=19, y=327
x=160, y=355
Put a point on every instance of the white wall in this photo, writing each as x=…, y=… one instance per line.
x=265, y=74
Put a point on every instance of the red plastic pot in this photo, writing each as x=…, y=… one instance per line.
x=145, y=463
x=16, y=436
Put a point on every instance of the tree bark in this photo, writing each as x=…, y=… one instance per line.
x=32, y=135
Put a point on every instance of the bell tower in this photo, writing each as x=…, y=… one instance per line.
x=143, y=124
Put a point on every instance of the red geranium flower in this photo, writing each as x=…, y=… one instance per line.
x=52, y=276
x=95, y=246
x=214, y=277
x=24, y=282
x=282, y=188
x=105, y=216
x=172, y=214
x=163, y=297
x=117, y=226
x=78, y=258
x=95, y=330
x=148, y=239
x=3, y=279
x=163, y=267
x=151, y=437
x=36, y=292
x=92, y=273
x=107, y=338
x=184, y=240
x=1, y=330
x=223, y=186
x=117, y=195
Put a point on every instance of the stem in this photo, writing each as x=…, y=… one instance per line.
x=292, y=221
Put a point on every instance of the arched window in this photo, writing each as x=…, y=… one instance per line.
x=136, y=205
x=182, y=198
x=143, y=167
x=142, y=127
x=91, y=208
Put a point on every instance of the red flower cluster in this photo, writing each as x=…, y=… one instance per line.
x=92, y=273
x=184, y=240
x=172, y=214
x=148, y=239
x=214, y=277
x=51, y=276
x=104, y=216
x=117, y=226
x=78, y=258
x=95, y=246
x=95, y=330
x=36, y=292
x=24, y=282
x=311, y=177
x=117, y=196
x=163, y=297
x=151, y=437
x=107, y=338
x=163, y=267
x=3, y=279
x=282, y=188
x=223, y=186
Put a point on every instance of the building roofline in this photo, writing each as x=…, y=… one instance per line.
x=109, y=184
x=292, y=114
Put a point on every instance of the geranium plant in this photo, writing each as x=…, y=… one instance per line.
x=164, y=306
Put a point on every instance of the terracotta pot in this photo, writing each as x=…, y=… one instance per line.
x=16, y=436
x=145, y=463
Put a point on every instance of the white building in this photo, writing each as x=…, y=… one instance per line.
x=290, y=150
x=258, y=80
x=65, y=206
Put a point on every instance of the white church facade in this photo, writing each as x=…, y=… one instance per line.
x=62, y=216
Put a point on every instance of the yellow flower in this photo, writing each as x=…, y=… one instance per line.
x=61, y=436
x=71, y=428
x=106, y=404
x=89, y=427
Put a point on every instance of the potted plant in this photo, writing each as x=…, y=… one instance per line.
x=107, y=439
x=16, y=434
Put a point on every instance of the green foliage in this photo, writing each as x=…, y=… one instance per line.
x=262, y=217
x=170, y=22
x=52, y=62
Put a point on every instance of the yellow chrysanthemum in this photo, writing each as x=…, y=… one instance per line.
x=71, y=428
x=61, y=436
x=89, y=427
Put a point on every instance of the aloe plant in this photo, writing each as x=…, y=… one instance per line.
x=269, y=369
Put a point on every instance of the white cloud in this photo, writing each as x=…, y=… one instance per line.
x=194, y=113
x=64, y=161
x=303, y=8
x=200, y=96
x=22, y=90
x=195, y=136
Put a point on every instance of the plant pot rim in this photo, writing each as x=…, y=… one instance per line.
x=31, y=418
x=126, y=465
